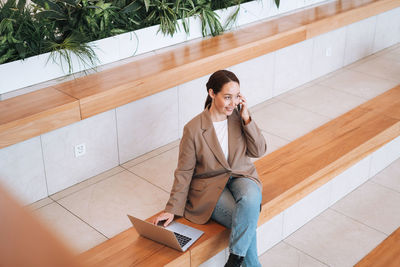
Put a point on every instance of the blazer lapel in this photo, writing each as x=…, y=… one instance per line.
x=211, y=138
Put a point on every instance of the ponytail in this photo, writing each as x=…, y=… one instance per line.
x=208, y=102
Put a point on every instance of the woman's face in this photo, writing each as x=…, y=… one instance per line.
x=227, y=99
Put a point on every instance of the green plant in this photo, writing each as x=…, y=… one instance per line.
x=64, y=27
x=210, y=23
x=70, y=46
x=163, y=13
x=20, y=35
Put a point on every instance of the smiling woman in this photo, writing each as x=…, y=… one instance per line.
x=214, y=152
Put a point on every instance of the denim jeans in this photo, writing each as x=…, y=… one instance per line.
x=238, y=208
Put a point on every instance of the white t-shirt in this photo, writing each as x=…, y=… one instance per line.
x=221, y=129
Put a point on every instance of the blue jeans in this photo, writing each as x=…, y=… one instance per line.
x=238, y=208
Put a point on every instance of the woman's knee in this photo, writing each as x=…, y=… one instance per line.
x=250, y=201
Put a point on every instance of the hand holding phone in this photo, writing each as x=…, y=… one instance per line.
x=242, y=108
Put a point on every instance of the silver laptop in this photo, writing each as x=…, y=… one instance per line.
x=175, y=235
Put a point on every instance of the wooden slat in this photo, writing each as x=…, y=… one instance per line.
x=346, y=12
x=387, y=103
x=386, y=254
x=214, y=239
x=32, y=114
x=115, y=87
x=295, y=170
x=309, y=162
x=128, y=249
x=152, y=74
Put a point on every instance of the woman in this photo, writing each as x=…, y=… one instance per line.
x=215, y=177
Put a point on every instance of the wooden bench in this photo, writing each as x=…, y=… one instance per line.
x=30, y=115
x=288, y=174
x=36, y=113
x=386, y=254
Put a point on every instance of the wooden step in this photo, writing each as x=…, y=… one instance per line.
x=155, y=73
x=288, y=174
x=35, y=113
x=386, y=254
x=152, y=74
x=309, y=162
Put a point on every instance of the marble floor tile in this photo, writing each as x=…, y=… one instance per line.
x=159, y=170
x=393, y=54
x=324, y=101
x=262, y=105
x=294, y=90
x=361, y=61
x=151, y=154
x=287, y=121
x=389, y=177
x=335, y=239
x=309, y=84
x=95, y=179
x=40, y=203
x=273, y=142
x=358, y=84
x=74, y=232
x=104, y=205
x=284, y=255
x=386, y=50
x=373, y=205
x=380, y=67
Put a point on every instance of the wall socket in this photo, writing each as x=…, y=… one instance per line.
x=80, y=150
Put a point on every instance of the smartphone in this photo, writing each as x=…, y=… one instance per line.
x=239, y=106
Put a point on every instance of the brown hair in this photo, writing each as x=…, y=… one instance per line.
x=216, y=81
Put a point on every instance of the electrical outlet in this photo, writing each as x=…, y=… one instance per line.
x=328, y=52
x=80, y=150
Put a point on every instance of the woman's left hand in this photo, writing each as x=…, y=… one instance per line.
x=244, y=112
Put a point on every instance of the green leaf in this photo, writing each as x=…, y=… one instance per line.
x=47, y=5
x=6, y=57
x=232, y=18
x=21, y=49
x=6, y=25
x=72, y=3
x=132, y=7
x=147, y=4
x=21, y=5
x=277, y=2
x=117, y=31
x=51, y=14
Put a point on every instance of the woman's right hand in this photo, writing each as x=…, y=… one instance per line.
x=164, y=216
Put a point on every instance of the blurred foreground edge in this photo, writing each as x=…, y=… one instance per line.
x=24, y=241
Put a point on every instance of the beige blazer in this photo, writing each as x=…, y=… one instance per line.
x=203, y=170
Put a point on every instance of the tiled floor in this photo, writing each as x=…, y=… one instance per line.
x=90, y=212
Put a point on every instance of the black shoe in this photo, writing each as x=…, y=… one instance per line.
x=234, y=261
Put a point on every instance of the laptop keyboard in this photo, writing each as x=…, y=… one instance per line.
x=183, y=240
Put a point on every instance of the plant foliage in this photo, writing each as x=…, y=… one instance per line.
x=64, y=27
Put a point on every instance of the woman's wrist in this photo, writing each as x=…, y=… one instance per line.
x=246, y=120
